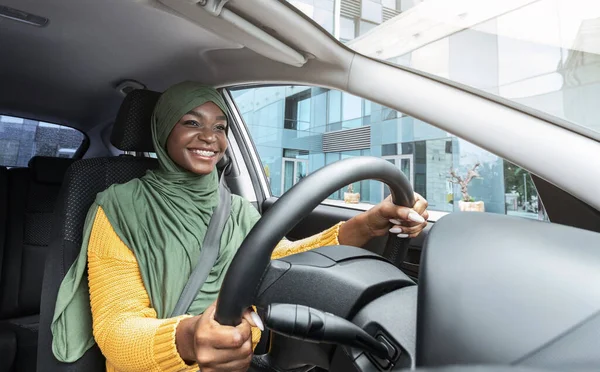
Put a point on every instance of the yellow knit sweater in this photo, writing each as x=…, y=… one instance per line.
x=125, y=326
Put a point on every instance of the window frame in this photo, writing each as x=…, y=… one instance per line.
x=244, y=147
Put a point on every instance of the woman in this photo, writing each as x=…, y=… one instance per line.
x=142, y=240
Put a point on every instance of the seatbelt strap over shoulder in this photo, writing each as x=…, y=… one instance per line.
x=209, y=252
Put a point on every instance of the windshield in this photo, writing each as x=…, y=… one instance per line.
x=544, y=54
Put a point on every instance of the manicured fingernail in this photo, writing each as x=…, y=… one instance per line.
x=395, y=222
x=395, y=230
x=415, y=217
x=257, y=321
x=402, y=236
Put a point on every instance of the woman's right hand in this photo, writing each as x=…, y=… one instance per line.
x=215, y=347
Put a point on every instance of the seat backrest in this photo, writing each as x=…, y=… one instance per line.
x=3, y=212
x=32, y=194
x=84, y=180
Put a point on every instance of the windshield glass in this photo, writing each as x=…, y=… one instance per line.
x=544, y=54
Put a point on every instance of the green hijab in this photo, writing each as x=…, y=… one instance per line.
x=162, y=217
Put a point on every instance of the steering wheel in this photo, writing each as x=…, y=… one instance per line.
x=244, y=276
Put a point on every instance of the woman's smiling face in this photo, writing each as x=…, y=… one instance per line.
x=199, y=139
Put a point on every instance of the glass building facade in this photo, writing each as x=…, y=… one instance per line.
x=298, y=130
x=22, y=139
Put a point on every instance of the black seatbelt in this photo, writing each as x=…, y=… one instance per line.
x=209, y=252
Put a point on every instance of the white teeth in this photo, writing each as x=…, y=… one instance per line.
x=203, y=153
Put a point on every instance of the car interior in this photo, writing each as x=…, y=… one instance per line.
x=479, y=292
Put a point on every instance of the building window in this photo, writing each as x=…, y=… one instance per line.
x=448, y=147
x=297, y=111
x=405, y=164
x=294, y=167
x=389, y=114
x=371, y=11
x=365, y=26
x=335, y=106
x=420, y=168
x=389, y=149
x=408, y=148
x=296, y=154
x=347, y=29
x=390, y=4
x=332, y=157
x=351, y=107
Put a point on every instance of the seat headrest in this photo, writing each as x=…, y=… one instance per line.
x=223, y=163
x=131, y=131
x=47, y=169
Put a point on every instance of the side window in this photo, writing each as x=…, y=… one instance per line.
x=22, y=139
x=298, y=130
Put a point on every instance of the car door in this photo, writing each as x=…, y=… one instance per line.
x=295, y=130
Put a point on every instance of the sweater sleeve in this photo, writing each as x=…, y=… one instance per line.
x=125, y=326
x=247, y=216
x=322, y=239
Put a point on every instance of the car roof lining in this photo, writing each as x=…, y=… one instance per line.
x=67, y=72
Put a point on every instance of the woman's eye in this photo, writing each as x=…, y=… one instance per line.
x=221, y=127
x=193, y=123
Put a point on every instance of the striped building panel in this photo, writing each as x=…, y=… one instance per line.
x=389, y=13
x=350, y=8
x=347, y=139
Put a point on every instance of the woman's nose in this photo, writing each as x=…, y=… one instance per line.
x=207, y=135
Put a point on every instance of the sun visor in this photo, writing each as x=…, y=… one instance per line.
x=211, y=15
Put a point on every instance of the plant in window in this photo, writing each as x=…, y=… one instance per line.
x=467, y=203
x=350, y=196
x=267, y=172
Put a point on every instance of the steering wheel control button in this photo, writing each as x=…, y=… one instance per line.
x=385, y=364
x=392, y=352
x=382, y=363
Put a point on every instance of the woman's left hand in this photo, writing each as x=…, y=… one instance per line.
x=382, y=219
x=406, y=222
